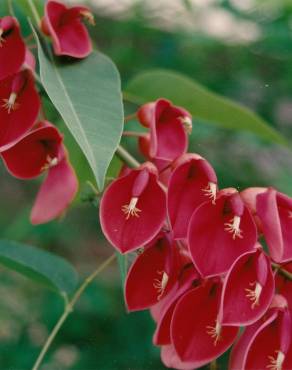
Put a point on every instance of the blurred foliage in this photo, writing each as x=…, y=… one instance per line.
x=100, y=334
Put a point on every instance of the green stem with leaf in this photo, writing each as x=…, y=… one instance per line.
x=69, y=306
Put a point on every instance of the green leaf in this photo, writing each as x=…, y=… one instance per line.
x=43, y=267
x=201, y=103
x=87, y=94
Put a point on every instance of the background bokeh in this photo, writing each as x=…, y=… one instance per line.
x=240, y=49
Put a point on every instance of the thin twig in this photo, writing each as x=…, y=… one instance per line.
x=69, y=308
x=282, y=271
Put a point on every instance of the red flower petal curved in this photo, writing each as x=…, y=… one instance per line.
x=56, y=193
x=70, y=36
x=168, y=136
x=248, y=289
x=133, y=209
x=275, y=212
x=192, y=182
x=170, y=359
x=19, y=107
x=219, y=233
x=33, y=154
x=196, y=331
x=152, y=274
x=12, y=47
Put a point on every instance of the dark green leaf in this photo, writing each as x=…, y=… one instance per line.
x=46, y=268
x=202, y=103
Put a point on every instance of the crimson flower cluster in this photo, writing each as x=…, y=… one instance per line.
x=30, y=145
x=201, y=267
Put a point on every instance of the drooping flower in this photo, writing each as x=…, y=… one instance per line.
x=12, y=47
x=274, y=210
x=133, y=209
x=64, y=25
x=40, y=151
x=284, y=284
x=267, y=343
x=193, y=181
x=197, y=333
x=219, y=233
x=19, y=107
x=248, y=289
x=153, y=273
x=167, y=124
x=187, y=279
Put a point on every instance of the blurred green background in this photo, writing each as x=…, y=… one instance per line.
x=240, y=49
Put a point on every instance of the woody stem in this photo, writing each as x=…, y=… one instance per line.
x=69, y=308
x=281, y=271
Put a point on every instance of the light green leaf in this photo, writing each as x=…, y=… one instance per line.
x=200, y=102
x=87, y=94
x=43, y=267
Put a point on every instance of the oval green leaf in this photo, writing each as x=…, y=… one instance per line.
x=50, y=270
x=87, y=94
x=201, y=103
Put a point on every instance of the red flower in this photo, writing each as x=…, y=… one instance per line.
x=284, y=285
x=274, y=210
x=153, y=273
x=12, y=47
x=39, y=151
x=267, y=343
x=167, y=124
x=64, y=25
x=219, y=233
x=187, y=279
x=248, y=289
x=192, y=182
x=133, y=209
x=197, y=333
x=19, y=107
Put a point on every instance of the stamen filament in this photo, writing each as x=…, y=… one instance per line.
x=233, y=227
x=254, y=294
x=210, y=191
x=215, y=331
x=160, y=284
x=10, y=104
x=131, y=209
x=276, y=363
x=187, y=123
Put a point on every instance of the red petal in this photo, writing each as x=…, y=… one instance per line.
x=237, y=307
x=129, y=234
x=170, y=359
x=14, y=125
x=70, y=36
x=27, y=158
x=187, y=190
x=56, y=193
x=209, y=241
x=12, y=51
x=195, y=312
x=140, y=291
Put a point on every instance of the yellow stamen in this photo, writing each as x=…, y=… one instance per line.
x=276, y=363
x=210, y=191
x=233, y=227
x=215, y=332
x=160, y=284
x=10, y=104
x=131, y=209
x=254, y=294
x=88, y=16
x=187, y=123
x=51, y=162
